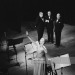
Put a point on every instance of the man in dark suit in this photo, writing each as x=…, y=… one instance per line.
x=49, y=26
x=58, y=29
x=40, y=25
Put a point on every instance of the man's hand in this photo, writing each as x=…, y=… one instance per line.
x=47, y=21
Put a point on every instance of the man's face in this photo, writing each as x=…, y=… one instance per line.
x=41, y=14
x=49, y=13
x=58, y=16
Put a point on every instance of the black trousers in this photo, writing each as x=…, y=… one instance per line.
x=40, y=32
x=49, y=33
x=58, y=37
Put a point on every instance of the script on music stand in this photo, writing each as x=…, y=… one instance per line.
x=61, y=61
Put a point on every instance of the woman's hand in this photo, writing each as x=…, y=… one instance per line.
x=27, y=33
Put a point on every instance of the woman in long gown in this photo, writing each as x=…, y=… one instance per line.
x=40, y=60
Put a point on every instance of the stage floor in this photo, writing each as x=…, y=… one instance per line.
x=67, y=46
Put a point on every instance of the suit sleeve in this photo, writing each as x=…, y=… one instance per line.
x=37, y=22
x=62, y=22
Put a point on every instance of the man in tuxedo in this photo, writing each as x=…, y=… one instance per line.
x=49, y=26
x=40, y=25
x=58, y=29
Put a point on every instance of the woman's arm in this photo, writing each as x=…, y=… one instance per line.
x=29, y=37
x=45, y=49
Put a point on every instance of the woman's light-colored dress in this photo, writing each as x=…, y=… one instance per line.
x=39, y=61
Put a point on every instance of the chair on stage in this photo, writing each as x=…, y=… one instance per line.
x=30, y=49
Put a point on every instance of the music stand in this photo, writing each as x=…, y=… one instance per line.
x=65, y=62
x=61, y=62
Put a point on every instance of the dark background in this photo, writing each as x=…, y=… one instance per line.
x=14, y=12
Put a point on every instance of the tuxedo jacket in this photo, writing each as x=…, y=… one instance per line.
x=39, y=22
x=50, y=23
x=58, y=25
x=50, y=19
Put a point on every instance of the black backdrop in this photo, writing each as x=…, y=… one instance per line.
x=13, y=12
